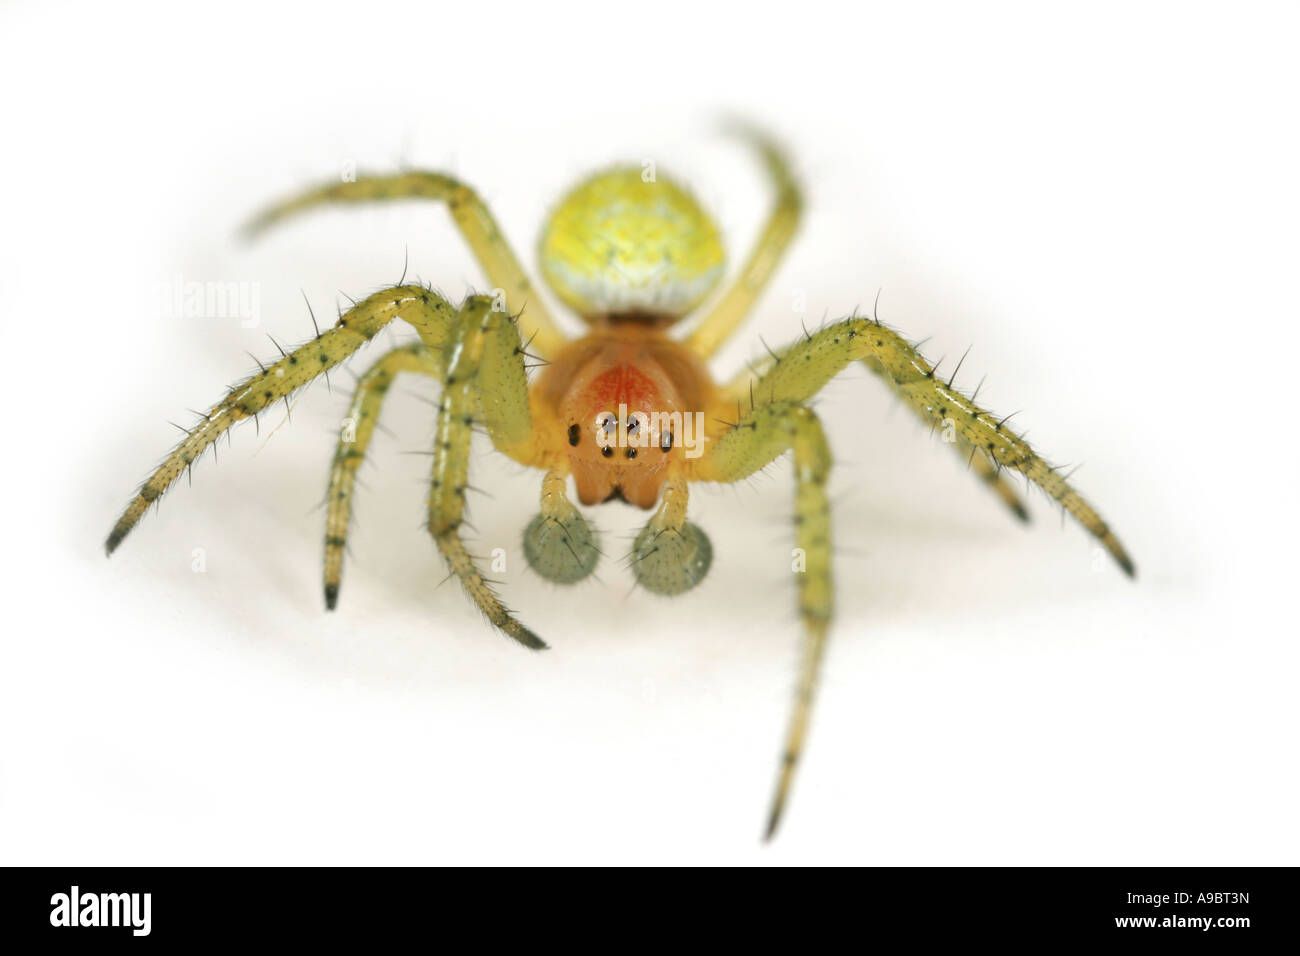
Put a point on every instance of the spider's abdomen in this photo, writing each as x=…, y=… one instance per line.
x=618, y=245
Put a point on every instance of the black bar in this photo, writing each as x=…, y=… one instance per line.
x=1231, y=907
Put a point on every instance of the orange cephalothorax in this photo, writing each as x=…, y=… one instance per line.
x=631, y=403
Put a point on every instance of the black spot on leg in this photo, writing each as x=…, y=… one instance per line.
x=575, y=433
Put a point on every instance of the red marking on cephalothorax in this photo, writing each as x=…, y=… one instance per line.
x=619, y=385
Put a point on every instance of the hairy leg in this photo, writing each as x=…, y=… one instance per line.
x=985, y=469
x=804, y=368
x=761, y=436
x=471, y=216
x=670, y=554
x=559, y=543
x=501, y=399
x=456, y=419
x=426, y=311
x=740, y=393
x=991, y=475
x=725, y=317
x=359, y=426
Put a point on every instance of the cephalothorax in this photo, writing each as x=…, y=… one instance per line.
x=629, y=411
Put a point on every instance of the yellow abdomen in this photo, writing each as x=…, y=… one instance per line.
x=620, y=244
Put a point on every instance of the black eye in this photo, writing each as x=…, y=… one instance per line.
x=574, y=433
x=666, y=441
x=631, y=453
x=607, y=451
x=633, y=425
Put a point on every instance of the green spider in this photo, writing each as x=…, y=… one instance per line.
x=629, y=410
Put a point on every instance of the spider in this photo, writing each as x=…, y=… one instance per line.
x=629, y=411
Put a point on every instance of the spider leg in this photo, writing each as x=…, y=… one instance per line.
x=985, y=469
x=472, y=217
x=671, y=513
x=725, y=317
x=670, y=555
x=362, y=417
x=500, y=392
x=761, y=436
x=467, y=358
x=559, y=543
x=991, y=474
x=744, y=387
x=424, y=310
x=805, y=367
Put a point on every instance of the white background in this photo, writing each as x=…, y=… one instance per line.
x=1101, y=200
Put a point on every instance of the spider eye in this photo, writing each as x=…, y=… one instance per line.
x=574, y=433
x=666, y=442
x=631, y=453
x=607, y=451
